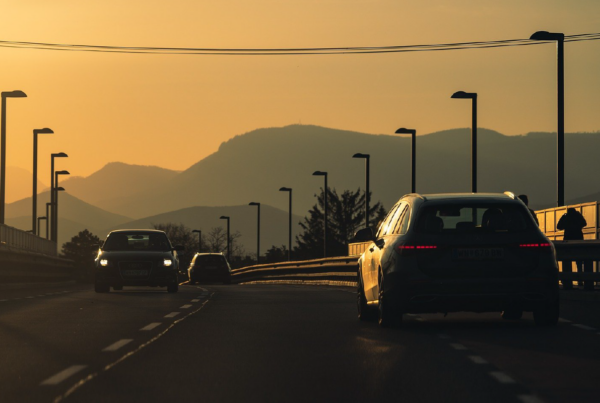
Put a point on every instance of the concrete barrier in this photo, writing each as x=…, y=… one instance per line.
x=22, y=267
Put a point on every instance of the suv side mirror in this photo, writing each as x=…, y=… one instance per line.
x=364, y=235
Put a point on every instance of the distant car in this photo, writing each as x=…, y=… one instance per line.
x=458, y=252
x=209, y=267
x=136, y=258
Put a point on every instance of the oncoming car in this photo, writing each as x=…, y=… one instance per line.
x=209, y=266
x=136, y=258
x=457, y=252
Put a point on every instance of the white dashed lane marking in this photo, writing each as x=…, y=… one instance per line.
x=172, y=315
x=195, y=300
x=62, y=375
x=584, y=327
x=151, y=326
x=117, y=345
x=501, y=377
x=185, y=306
x=457, y=346
x=564, y=320
x=530, y=399
x=477, y=359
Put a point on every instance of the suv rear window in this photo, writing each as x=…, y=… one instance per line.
x=210, y=261
x=455, y=218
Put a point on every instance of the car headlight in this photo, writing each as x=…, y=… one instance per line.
x=104, y=262
x=168, y=262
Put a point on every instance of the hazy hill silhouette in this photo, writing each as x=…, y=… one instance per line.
x=252, y=167
x=274, y=223
x=19, y=184
x=115, y=181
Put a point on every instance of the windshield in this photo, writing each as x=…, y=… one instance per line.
x=456, y=218
x=136, y=241
x=210, y=261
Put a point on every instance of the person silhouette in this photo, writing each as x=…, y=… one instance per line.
x=572, y=222
x=525, y=201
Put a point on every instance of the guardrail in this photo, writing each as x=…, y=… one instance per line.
x=13, y=239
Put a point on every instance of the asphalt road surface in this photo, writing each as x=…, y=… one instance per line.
x=276, y=343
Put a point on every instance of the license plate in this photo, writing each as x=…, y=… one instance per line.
x=135, y=273
x=478, y=253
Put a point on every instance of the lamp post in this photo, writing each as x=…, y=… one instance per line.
x=199, y=239
x=560, y=67
x=38, y=224
x=51, y=220
x=326, y=213
x=5, y=94
x=367, y=159
x=45, y=130
x=55, y=215
x=284, y=189
x=257, y=232
x=413, y=134
x=48, y=219
x=223, y=217
x=473, y=97
x=55, y=227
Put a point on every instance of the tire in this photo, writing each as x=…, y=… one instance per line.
x=101, y=287
x=172, y=288
x=548, y=314
x=364, y=312
x=117, y=287
x=512, y=314
x=388, y=317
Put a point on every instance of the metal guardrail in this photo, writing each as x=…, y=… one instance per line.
x=14, y=239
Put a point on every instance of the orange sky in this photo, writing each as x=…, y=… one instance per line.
x=172, y=111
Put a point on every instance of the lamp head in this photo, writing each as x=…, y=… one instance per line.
x=41, y=218
x=319, y=173
x=196, y=230
x=14, y=94
x=45, y=130
x=547, y=36
x=360, y=155
x=464, y=95
x=59, y=155
x=60, y=188
x=253, y=204
x=224, y=217
x=403, y=130
x=62, y=173
x=284, y=189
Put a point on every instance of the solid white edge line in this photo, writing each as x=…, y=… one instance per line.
x=172, y=315
x=62, y=375
x=458, y=346
x=501, y=377
x=584, y=327
x=151, y=326
x=117, y=345
x=477, y=359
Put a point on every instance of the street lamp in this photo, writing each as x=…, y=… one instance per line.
x=55, y=227
x=367, y=159
x=223, y=217
x=52, y=156
x=45, y=130
x=55, y=216
x=284, y=189
x=199, y=239
x=324, y=174
x=5, y=94
x=38, y=224
x=257, y=232
x=47, y=218
x=560, y=62
x=472, y=96
x=413, y=134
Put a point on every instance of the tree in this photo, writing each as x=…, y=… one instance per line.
x=276, y=254
x=345, y=216
x=179, y=234
x=82, y=249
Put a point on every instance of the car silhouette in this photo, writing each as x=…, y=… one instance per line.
x=457, y=252
x=136, y=258
x=209, y=267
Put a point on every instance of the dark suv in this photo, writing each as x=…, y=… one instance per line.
x=458, y=252
x=209, y=267
x=136, y=258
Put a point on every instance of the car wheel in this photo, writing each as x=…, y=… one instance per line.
x=388, y=317
x=101, y=287
x=512, y=314
x=364, y=313
x=173, y=287
x=117, y=287
x=547, y=315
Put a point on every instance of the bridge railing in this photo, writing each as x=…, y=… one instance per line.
x=13, y=239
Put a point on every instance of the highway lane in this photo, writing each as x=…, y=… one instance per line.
x=275, y=343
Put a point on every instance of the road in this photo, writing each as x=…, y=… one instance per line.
x=274, y=343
